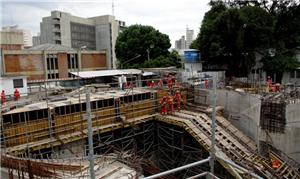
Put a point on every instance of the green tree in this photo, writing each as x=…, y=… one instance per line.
x=230, y=36
x=139, y=40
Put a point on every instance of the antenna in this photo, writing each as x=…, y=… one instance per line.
x=113, y=8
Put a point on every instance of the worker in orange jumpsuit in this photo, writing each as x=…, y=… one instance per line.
x=178, y=100
x=170, y=82
x=206, y=84
x=269, y=84
x=163, y=103
x=171, y=103
x=3, y=97
x=275, y=164
x=160, y=83
x=152, y=84
x=17, y=95
x=177, y=84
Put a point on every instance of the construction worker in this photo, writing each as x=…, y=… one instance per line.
x=275, y=164
x=170, y=82
x=160, y=83
x=163, y=103
x=269, y=84
x=17, y=94
x=177, y=84
x=206, y=83
x=171, y=103
x=148, y=83
x=152, y=84
x=3, y=97
x=178, y=100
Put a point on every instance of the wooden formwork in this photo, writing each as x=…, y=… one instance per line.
x=25, y=132
x=36, y=130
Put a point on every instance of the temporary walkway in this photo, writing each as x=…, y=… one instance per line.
x=231, y=145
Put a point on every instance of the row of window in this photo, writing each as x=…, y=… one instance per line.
x=69, y=109
x=52, y=62
x=29, y=116
x=72, y=61
x=295, y=74
x=82, y=28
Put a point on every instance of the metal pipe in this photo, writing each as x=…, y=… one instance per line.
x=207, y=174
x=199, y=175
x=213, y=125
x=239, y=167
x=178, y=169
x=90, y=134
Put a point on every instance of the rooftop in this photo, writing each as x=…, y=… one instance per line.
x=102, y=73
x=51, y=47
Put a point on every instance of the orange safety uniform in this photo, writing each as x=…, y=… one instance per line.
x=275, y=164
x=170, y=82
x=163, y=103
x=17, y=94
x=178, y=100
x=177, y=84
x=152, y=84
x=171, y=103
x=206, y=84
x=160, y=83
x=3, y=97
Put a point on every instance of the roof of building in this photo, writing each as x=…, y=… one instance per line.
x=102, y=73
x=51, y=47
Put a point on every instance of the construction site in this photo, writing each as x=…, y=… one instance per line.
x=107, y=131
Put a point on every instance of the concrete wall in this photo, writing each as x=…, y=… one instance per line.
x=62, y=65
x=289, y=141
x=30, y=65
x=77, y=147
x=6, y=84
x=243, y=110
x=286, y=78
x=93, y=61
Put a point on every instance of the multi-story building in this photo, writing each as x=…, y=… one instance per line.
x=180, y=44
x=50, y=61
x=11, y=39
x=36, y=40
x=27, y=38
x=189, y=37
x=95, y=33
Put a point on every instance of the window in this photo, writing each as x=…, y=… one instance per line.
x=18, y=83
x=292, y=74
x=297, y=73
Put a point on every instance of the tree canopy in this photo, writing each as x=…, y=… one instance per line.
x=232, y=31
x=137, y=41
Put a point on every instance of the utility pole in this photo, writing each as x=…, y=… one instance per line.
x=90, y=134
x=213, y=125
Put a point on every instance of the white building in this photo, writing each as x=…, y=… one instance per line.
x=27, y=38
x=10, y=83
x=180, y=44
x=189, y=37
x=96, y=33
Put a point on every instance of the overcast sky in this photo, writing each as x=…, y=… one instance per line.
x=168, y=16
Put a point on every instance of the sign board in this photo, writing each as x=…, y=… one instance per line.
x=191, y=56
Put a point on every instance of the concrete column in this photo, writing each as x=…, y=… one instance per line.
x=62, y=59
x=79, y=60
x=45, y=64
